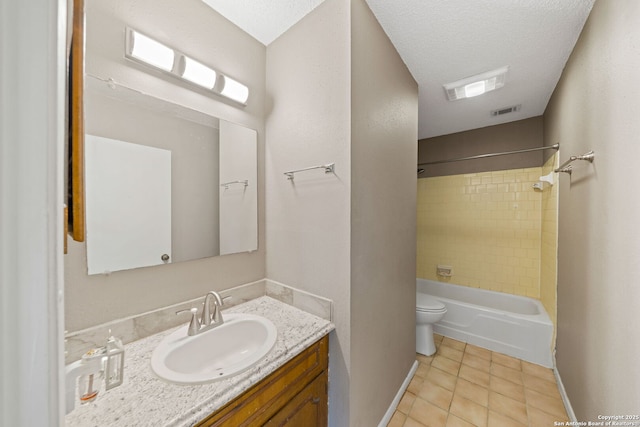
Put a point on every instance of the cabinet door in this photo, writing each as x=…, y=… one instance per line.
x=263, y=401
x=307, y=409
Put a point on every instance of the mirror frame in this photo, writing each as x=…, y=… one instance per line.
x=75, y=185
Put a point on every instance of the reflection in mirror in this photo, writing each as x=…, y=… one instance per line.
x=164, y=183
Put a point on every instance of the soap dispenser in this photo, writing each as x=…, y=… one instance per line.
x=103, y=362
x=114, y=370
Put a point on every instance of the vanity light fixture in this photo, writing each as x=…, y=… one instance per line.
x=198, y=73
x=148, y=51
x=235, y=90
x=476, y=85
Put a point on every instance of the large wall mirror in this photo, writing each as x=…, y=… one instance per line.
x=164, y=183
x=152, y=182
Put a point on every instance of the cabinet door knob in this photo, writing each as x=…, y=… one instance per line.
x=315, y=400
x=165, y=257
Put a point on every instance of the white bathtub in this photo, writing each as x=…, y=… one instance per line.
x=510, y=324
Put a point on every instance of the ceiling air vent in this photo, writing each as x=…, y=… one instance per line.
x=506, y=110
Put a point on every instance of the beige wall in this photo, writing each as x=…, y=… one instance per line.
x=384, y=126
x=596, y=107
x=348, y=236
x=308, y=219
x=195, y=29
x=512, y=136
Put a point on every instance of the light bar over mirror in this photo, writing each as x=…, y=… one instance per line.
x=148, y=51
x=198, y=73
x=235, y=90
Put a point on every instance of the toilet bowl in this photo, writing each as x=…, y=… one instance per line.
x=428, y=311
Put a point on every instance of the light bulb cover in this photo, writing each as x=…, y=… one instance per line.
x=475, y=89
x=145, y=50
x=235, y=90
x=149, y=51
x=476, y=85
x=198, y=73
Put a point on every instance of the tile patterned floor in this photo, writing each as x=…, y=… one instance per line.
x=464, y=385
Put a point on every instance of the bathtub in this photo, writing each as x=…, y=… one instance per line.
x=510, y=324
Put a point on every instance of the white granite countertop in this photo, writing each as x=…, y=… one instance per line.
x=145, y=400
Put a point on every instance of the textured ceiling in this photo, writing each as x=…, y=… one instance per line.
x=442, y=41
x=265, y=20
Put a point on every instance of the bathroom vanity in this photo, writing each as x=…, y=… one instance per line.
x=287, y=387
x=296, y=394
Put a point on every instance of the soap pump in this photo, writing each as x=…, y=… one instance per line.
x=107, y=362
x=114, y=370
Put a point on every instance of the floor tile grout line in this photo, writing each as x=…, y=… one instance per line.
x=521, y=372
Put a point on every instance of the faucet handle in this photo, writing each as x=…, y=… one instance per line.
x=207, y=316
x=194, y=325
x=217, y=311
x=217, y=315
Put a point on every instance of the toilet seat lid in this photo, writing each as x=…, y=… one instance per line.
x=426, y=302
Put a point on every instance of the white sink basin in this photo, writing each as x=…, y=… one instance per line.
x=218, y=353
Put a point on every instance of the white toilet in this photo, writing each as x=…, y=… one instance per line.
x=428, y=311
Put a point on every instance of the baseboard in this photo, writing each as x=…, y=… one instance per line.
x=565, y=398
x=396, y=400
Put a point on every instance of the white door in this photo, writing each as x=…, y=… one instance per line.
x=128, y=205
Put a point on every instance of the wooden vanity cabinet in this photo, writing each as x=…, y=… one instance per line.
x=294, y=395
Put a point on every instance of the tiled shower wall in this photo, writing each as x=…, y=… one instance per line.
x=549, y=237
x=487, y=226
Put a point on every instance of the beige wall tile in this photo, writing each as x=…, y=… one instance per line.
x=487, y=226
x=549, y=245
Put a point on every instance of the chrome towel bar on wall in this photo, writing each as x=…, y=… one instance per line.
x=566, y=166
x=328, y=168
x=226, y=185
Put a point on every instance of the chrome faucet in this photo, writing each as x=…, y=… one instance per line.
x=208, y=320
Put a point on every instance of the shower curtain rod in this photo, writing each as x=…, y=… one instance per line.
x=482, y=156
